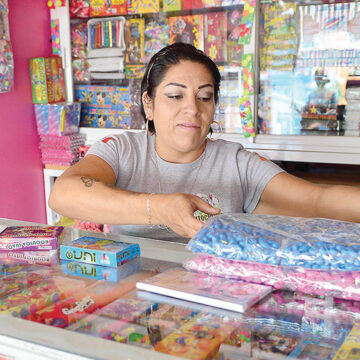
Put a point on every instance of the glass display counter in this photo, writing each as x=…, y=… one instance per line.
x=75, y=311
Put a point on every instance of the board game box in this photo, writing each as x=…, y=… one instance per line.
x=31, y=238
x=97, y=251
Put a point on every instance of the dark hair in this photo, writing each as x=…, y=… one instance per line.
x=167, y=57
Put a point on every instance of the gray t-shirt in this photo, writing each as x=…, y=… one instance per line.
x=227, y=175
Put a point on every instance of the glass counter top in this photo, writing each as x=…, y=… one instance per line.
x=96, y=312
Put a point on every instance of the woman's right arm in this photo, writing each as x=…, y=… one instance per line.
x=86, y=191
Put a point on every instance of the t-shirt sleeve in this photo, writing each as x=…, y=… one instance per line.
x=108, y=150
x=255, y=173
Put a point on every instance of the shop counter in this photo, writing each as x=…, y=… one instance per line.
x=71, y=311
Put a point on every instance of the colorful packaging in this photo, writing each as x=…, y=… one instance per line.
x=188, y=29
x=104, y=106
x=40, y=295
x=47, y=80
x=199, y=338
x=134, y=38
x=234, y=49
x=350, y=348
x=101, y=272
x=172, y=5
x=105, y=252
x=192, y=4
x=79, y=8
x=215, y=33
x=157, y=36
x=31, y=237
x=143, y=6
x=57, y=119
x=80, y=304
x=47, y=257
x=108, y=7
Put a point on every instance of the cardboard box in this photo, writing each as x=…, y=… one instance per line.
x=104, y=252
x=104, y=106
x=47, y=80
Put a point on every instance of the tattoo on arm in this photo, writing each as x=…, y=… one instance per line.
x=88, y=181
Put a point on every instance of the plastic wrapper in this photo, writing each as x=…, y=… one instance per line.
x=336, y=283
x=315, y=243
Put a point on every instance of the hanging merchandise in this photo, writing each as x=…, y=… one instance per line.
x=247, y=22
x=6, y=55
x=246, y=117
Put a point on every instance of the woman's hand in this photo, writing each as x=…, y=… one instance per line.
x=177, y=212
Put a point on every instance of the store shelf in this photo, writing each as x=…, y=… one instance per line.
x=320, y=149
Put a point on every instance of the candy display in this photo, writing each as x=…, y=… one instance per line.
x=199, y=338
x=80, y=304
x=108, y=7
x=31, y=237
x=99, y=251
x=39, y=296
x=47, y=80
x=337, y=283
x=315, y=243
x=215, y=33
x=79, y=8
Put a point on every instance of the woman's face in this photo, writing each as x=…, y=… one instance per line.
x=182, y=109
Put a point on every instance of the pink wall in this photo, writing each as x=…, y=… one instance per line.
x=21, y=180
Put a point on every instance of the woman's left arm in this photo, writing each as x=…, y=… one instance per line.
x=291, y=196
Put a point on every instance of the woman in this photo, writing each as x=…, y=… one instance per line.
x=173, y=175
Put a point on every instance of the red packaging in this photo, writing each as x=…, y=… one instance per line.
x=108, y=7
x=215, y=33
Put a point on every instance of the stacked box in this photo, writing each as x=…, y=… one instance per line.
x=108, y=7
x=47, y=80
x=99, y=251
x=57, y=119
x=104, y=106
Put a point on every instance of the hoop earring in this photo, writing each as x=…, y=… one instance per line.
x=220, y=132
x=147, y=127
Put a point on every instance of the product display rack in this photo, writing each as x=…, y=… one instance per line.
x=279, y=147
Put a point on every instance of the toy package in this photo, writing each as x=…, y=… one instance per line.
x=108, y=7
x=80, y=304
x=172, y=5
x=104, y=106
x=199, y=338
x=6, y=55
x=47, y=80
x=97, y=251
x=57, y=119
x=350, y=348
x=98, y=272
x=234, y=49
x=47, y=257
x=40, y=295
x=192, y=4
x=114, y=330
x=79, y=8
x=215, y=33
x=188, y=29
x=143, y=6
x=156, y=36
x=134, y=38
x=31, y=237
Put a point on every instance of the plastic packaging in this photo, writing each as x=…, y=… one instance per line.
x=316, y=243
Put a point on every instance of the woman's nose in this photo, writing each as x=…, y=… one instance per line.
x=192, y=105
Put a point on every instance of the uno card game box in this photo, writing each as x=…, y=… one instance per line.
x=96, y=251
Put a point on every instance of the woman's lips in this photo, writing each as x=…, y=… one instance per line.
x=190, y=125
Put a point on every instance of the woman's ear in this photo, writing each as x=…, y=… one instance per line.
x=148, y=106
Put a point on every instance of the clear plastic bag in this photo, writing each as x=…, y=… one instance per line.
x=313, y=243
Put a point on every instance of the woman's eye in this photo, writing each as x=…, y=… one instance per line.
x=175, y=97
x=205, y=98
